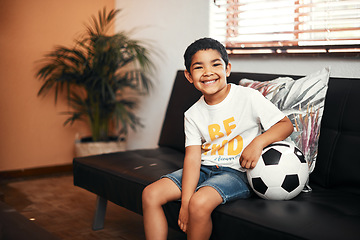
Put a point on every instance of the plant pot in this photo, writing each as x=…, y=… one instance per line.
x=86, y=147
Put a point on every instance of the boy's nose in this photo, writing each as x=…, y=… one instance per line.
x=207, y=72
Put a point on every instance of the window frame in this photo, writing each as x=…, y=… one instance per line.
x=330, y=50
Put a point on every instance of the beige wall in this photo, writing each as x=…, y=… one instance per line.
x=31, y=129
x=170, y=26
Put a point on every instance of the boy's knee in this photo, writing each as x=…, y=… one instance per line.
x=203, y=203
x=149, y=195
x=198, y=206
x=153, y=195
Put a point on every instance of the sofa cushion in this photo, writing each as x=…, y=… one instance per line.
x=114, y=176
x=321, y=214
x=338, y=161
x=172, y=132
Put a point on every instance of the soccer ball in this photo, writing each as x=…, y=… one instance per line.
x=280, y=173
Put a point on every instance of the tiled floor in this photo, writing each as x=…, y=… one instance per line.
x=67, y=211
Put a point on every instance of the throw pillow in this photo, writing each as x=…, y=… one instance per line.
x=302, y=101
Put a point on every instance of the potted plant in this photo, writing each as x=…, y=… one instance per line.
x=99, y=76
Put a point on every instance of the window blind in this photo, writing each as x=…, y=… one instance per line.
x=287, y=26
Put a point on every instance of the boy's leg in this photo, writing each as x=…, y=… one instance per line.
x=231, y=185
x=154, y=196
x=201, y=205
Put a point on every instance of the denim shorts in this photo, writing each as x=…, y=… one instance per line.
x=229, y=183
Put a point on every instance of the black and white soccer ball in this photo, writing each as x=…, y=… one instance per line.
x=280, y=173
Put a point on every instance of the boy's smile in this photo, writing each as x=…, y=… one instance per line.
x=208, y=73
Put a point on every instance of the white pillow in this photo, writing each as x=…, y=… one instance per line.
x=302, y=101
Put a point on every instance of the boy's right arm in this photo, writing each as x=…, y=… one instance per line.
x=190, y=179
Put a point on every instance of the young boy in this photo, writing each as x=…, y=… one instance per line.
x=223, y=139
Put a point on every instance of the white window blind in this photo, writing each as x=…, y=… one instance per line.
x=287, y=26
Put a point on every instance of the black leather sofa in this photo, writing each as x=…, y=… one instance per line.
x=330, y=211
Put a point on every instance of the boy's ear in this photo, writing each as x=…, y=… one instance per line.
x=228, y=69
x=188, y=76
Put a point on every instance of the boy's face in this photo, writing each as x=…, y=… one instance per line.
x=208, y=73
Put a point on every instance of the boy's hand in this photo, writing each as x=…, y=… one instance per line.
x=183, y=218
x=277, y=132
x=251, y=155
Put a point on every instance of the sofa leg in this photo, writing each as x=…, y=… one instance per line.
x=99, y=218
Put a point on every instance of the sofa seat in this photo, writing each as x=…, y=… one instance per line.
x=314, y=215
x=130, y=171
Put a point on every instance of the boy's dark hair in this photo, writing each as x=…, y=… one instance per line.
x=204, y=44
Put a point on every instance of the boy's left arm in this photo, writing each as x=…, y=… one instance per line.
x=277, y=132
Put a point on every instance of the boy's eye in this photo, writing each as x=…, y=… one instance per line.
x=197, y=67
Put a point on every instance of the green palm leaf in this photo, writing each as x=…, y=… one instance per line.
x=102, y=68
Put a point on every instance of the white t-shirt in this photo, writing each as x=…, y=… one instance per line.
x=225, y=129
